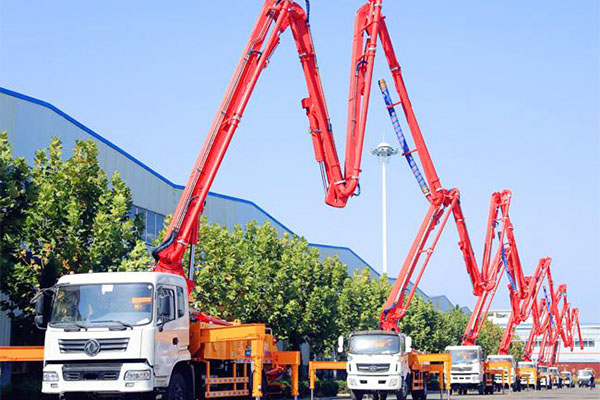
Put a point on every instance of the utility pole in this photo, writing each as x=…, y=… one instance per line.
x=383, y=151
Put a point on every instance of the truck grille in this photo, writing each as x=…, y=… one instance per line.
x=460, y=369
x=373, y=368
x=77, y=345
x=91, y=372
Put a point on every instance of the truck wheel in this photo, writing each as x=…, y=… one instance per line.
x=379, y=395
x=356, y=394
x=420, y=394
x=178, y=388
x=481, y=388
x=402, y=394
x=72, y=396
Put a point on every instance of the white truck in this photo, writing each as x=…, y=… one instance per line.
x=555, y=377
x=118, y=333
x=567, y=379
x=584, y=377
x=544, y=378
x=132, y=334
x=529, y=370
x=509, y=380
x=377, y=365
x=468, y=370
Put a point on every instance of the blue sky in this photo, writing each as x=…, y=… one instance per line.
x=507, y=95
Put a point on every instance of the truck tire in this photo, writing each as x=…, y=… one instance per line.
x=420, y=394
x=380, y=395
x=481, y=388
x=402, y=394
x=356, y=394
x=73, y=396
x=178, y=388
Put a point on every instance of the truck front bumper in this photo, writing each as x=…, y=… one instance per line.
x=80, y=380
x=374, y=382
x=466, y=379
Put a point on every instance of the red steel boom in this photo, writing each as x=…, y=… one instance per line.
x=340, y=184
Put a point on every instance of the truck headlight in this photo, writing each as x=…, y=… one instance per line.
x=50, y=376
x=393, y=382
x=352, y=382
x=133, y=375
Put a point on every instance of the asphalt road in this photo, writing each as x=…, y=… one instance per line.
x=562, y=394
x=567, y=394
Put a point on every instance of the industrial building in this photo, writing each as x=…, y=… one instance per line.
x=589, y=357
x=31, y=123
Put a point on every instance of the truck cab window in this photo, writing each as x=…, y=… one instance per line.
x=180, y=302
x=162, y=293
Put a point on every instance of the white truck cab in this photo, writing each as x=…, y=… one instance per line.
x=545, y=380
x=512, y=382
x=584, y=377
x=377, y=364
x=555, y=377
x=528, y=369
x=467, y=371
x=567, y=379
x=117, y=332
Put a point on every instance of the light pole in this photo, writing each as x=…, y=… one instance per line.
x=383, y=151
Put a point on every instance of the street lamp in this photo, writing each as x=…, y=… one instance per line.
x=384, y=151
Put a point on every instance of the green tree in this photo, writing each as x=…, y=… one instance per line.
x=76, y=221
x=489, y=338
x=450, y=328
x=253, y=275
x=517, y=349
x=16, y=195
x=360, y=302
x=421, y=323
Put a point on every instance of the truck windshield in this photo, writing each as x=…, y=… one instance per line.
x=96, y=305
x=464, y=356
x=526, y=364
x=374, y=344
x=543, y=369
x=585, y=373
x=502, y=359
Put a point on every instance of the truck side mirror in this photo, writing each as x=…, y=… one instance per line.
x=40, y=319
x=340, y=344
x=164, y=310
x=408, y=344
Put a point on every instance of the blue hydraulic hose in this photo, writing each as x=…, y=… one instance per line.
x=505, y=262
x=400, y=135
x=548, y=306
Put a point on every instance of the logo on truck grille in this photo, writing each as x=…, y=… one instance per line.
x=91, y=347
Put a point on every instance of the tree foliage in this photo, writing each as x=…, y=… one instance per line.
x=360, y=303
x=254, y=275
x=70, y=219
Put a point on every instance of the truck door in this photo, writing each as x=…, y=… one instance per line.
x=168, y=339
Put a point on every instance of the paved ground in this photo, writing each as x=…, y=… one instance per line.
x=555, y=394
x=567, y=394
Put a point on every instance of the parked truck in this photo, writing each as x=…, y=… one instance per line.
x=584, y=377
x=528, y=372
x=468, y=370
x=133, y=334
x=377, y=364
x=508, y=379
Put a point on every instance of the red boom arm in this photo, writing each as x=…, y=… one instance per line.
x=523, y=303
x=275, y=17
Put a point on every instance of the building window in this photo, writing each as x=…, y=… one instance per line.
x=153, y=223
x=586, y=343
